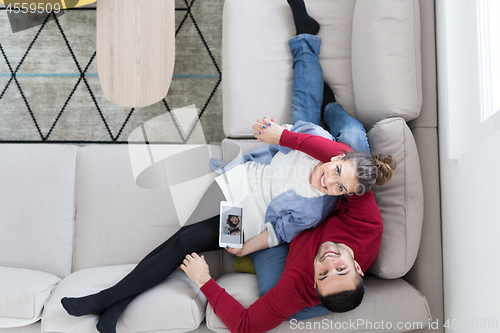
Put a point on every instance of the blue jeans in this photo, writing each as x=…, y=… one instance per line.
x=307, y=98
x=307, y=95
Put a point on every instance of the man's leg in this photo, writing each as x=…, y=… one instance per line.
x=345, y=128
x=304, y=24
x=307, y=88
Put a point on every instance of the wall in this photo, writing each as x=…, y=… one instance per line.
x=470, y=179
x=470, y=202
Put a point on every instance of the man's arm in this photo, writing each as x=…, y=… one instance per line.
x=318, y=147
x=263, y=315
x=360, y=209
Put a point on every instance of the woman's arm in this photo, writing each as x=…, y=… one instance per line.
x=259, y=242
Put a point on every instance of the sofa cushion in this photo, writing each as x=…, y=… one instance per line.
x=400, y=200
x=391, y=302
x=23, y=293
x=244, y=264
x=243, y=287
x=38, y=206
x=386, y=64
x=175, y=305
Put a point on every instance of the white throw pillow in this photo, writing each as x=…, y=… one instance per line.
x=174, y=305
x=23, y=293
x=401, y=199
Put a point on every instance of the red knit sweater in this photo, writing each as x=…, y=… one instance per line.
x=356, y=223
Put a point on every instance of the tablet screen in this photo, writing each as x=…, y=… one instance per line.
x=231, y=225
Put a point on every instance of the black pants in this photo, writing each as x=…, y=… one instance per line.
x=166, y=258
x=161, y=262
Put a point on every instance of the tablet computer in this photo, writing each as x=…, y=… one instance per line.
x=231, y=225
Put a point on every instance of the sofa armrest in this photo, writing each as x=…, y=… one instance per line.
x=427, y=272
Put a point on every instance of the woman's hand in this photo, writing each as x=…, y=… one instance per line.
x=236, y=252
x=196, y=269
x=267, y=130
x=259, y=242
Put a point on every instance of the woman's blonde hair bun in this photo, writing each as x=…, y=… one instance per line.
x=385, y=165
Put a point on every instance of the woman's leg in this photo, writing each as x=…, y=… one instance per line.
x=109, y=317
x=199, y=237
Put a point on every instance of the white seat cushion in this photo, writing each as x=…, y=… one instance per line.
x=23, y=293
x=175, y=305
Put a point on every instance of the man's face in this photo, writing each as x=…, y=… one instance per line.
x=335, y=270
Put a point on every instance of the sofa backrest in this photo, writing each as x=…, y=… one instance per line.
x=118, y=222
x=367, y=58
x=37, y=206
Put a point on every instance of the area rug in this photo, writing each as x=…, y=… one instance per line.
x=50, y=90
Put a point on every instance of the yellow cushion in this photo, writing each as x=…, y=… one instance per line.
x=244, y=265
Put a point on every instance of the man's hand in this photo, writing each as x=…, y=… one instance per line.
x=196, y=269
x=267, y=130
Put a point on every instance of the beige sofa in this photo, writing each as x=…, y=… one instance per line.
x=73, y=219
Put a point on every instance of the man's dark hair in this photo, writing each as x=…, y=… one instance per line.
x=346, y=300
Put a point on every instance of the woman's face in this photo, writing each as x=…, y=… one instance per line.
x=234, y=220
x=336, y=177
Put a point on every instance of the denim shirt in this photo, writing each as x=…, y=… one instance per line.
x=287, y=214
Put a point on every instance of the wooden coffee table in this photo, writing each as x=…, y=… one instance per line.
x=135, y=50
x=135, y=47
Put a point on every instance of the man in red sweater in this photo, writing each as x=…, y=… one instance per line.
x=328, y=259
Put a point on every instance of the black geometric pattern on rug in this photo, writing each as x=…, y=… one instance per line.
x=113, y=138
